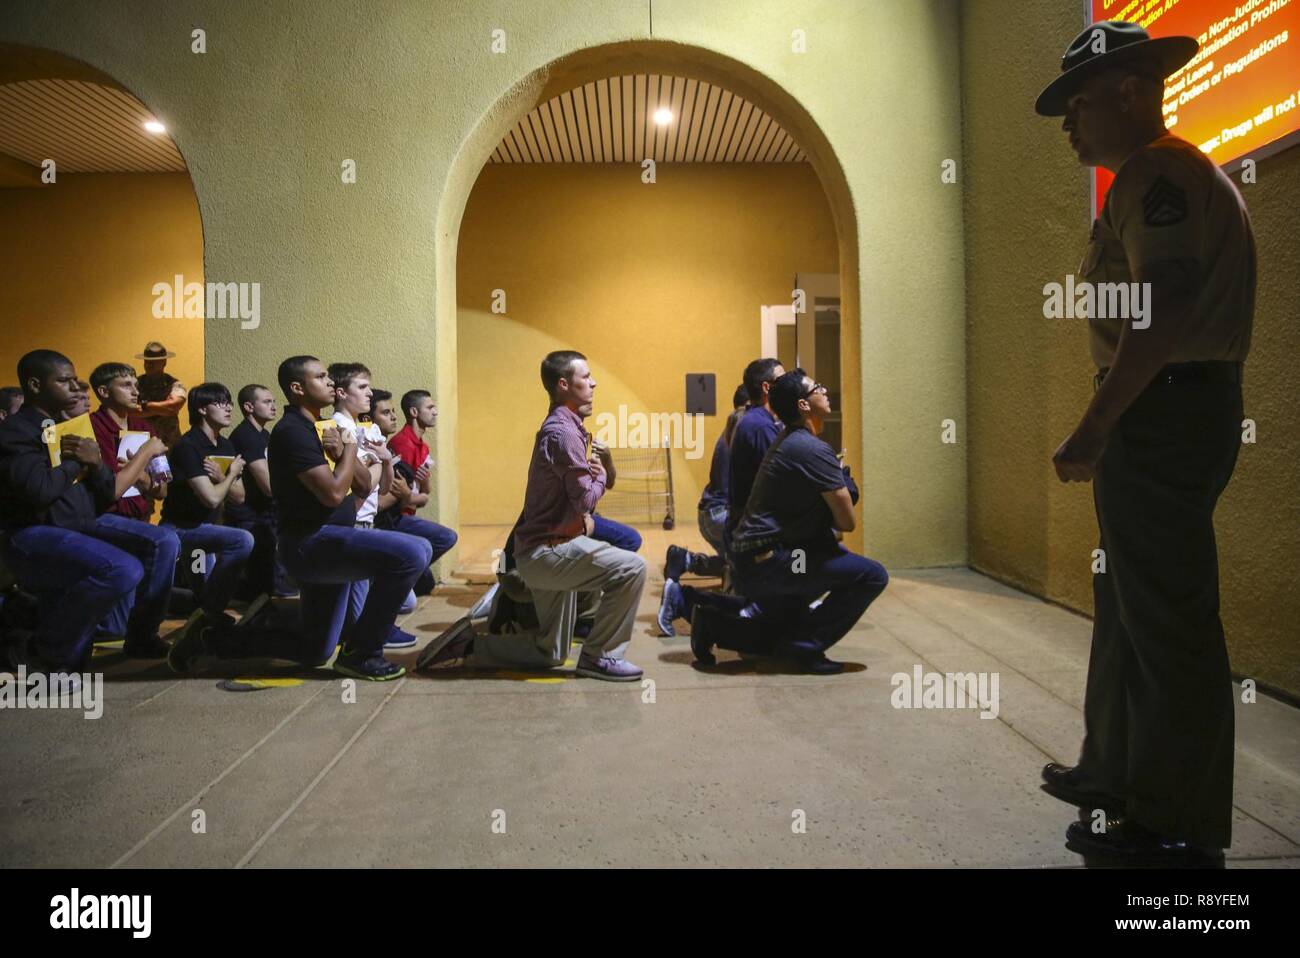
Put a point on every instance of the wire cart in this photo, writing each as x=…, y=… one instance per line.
x=643, y=490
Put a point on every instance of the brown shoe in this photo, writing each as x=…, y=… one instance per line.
x=455, y=643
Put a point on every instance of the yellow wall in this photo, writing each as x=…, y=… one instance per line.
x=80, y=259
x=413, y=93
x=1030, y=378
x=650, y=281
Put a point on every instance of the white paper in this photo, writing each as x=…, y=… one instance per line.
x=130, y=445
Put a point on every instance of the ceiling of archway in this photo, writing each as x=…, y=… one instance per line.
x=612, y=121
x=84, y=127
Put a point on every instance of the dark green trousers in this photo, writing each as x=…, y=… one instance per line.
x=1159, y=704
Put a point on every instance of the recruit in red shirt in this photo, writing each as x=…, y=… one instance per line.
x=107, y=434
x=413, y=450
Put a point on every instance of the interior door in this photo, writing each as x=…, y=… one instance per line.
x=817, y=335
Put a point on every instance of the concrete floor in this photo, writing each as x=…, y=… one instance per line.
x=718, y=769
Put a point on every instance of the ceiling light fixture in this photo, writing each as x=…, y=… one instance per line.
x=153, y=126
x=663, y=116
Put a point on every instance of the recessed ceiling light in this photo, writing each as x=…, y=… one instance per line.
x=153, y=126
x=663, y=116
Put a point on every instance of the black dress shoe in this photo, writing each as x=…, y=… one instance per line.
x=1062, y=782
x=1126, y=843
x=822, y=666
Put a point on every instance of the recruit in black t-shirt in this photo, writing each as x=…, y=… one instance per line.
x=390, y=517
x=250, y=442
x=294, y=448
x=786, y=504
x=182, y=507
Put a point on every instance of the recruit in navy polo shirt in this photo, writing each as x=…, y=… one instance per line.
x=715, y=493
x=182, y=507
x=786, y=504
x=295, y=448
x=754, y=435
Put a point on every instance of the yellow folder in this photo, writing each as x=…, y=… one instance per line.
x=80, y=426
x=321, y=426
x=223, y=462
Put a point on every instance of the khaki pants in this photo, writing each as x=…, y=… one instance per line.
x=556, y=575
x=1159, y=702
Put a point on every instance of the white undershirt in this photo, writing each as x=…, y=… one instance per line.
x=367, y=511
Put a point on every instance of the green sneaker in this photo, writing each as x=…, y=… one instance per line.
x=372, y=667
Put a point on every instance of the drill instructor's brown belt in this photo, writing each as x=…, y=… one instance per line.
x=1174, y=374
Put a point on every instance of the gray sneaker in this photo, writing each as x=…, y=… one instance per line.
x=670, y=607
x=484, y=605
x=611, y=670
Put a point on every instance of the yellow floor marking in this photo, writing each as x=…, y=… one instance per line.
x=261, y=683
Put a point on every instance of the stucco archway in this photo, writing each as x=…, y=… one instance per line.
x=645, y=56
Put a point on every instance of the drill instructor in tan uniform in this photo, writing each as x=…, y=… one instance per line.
x=1158, y=441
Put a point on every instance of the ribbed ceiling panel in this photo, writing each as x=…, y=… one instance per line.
x=612, y=121
x=84, y=127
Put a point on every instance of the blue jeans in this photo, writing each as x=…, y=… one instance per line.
x=228, y=548
x=616, y=534
x=78, y=578
x=327, y=561
x=853, y=581
x=713, y=524
x=357, y=593
x=140, y=614
x=440, y=540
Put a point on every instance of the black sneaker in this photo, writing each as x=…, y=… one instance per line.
x=703, y=623
x=258, y=606
x=187, y=644
x=677, y=562
x=149, y=648
x=455, y=643
x=372, y=666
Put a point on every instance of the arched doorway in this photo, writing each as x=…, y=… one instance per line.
x=98, y=213
x=574, y=70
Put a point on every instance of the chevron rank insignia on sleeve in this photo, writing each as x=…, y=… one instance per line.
x=1164, y=204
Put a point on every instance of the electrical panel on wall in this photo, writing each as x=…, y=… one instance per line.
x=702, y=393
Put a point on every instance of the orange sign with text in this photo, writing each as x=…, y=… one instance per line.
x=1238, y=97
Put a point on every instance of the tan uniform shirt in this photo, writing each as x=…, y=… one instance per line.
x=1170, y=201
